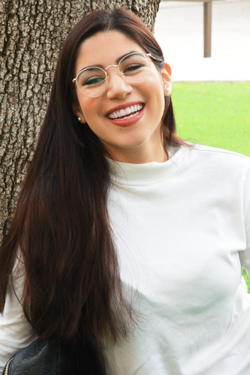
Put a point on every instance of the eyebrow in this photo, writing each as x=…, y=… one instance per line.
x=101, y=66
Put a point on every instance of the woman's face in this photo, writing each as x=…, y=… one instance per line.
x=138, y=140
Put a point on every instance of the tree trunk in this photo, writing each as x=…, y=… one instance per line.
x=31, y=35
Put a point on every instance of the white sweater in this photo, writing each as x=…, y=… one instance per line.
x=182, y=231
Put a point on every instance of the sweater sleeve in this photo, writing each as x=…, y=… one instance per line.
x=245, y=255
x=15, y=332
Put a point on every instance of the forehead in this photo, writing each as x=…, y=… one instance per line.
x=104, y=48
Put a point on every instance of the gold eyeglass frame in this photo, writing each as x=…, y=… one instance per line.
x=74, y=80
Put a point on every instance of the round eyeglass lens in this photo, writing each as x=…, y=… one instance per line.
x=135, y=67
x=91, y=82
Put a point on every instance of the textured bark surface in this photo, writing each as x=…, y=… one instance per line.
x=31, y=35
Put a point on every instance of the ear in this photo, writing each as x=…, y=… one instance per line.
x=167, y=80
x=78, y=113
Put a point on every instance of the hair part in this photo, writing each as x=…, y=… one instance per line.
x=72, y=282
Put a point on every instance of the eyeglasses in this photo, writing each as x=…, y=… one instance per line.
x=135, y=67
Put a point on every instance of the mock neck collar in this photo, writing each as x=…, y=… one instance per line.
x=148, y=173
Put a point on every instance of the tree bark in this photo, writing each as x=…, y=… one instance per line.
x=31, y=35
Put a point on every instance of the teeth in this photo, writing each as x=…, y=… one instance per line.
x=126, y=111
x=133, y=114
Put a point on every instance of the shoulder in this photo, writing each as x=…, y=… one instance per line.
x=218, y=152
x=216, y=158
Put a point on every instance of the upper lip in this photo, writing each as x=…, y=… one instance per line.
x=122, y=106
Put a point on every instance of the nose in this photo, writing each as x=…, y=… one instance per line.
x=117, y=87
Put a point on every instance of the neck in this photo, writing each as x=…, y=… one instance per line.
x=139, y=155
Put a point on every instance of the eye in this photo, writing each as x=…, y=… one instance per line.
x=93, y=81
x=133, y=68
x=91, y=77
x=134, y=64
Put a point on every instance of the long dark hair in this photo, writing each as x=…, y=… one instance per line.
x=61, y=227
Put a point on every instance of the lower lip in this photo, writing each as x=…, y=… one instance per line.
x=128, y=121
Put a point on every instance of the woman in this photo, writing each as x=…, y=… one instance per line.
x=128, y=236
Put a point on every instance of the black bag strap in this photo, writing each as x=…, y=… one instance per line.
x=61, y=358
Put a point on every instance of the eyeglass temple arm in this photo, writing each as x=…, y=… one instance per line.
x=149, y=54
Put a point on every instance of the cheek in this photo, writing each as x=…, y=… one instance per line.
x=89, y=108
x=156, y=89
x=92, y=118
x=157, y=97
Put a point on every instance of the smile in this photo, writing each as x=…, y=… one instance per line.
x=126, y=113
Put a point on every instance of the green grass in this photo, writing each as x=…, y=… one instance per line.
x=247, y=279
x=214, y=114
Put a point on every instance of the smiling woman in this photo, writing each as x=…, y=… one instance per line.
x=118, y=218
x=140, y=92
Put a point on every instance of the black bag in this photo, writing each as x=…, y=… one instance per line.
x=55, y=359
